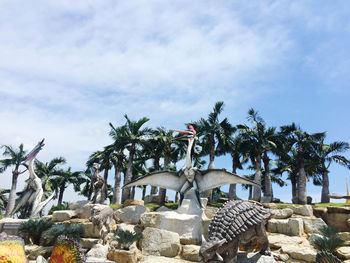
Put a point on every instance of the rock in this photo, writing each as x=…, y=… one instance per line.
x=210, y=211
x=151, y=219
x=85, y=211
x=345, y=236
x=269, y=205
x=313, y=225
x=313, y=237
x=41, y=259
x=319, y=212
x=131, y=214
x=190, y=252
x=343, y=252
x=160, y=242
x=39, y=251
x=152, y=198
x=189, y=241
x=291, y=226
x=78, y=204
x=133, y=202
x=131, y=228
x=98, y=251
x=88, y=242
x=348, y=222
x=304, y=210
x=10, y=225
x=282, y=213
x=98, y=260
x=279, y=240
x=338, y=217
x=124, y=256
x=254, y=258
x=280, y=257
x=62, y=215
x=157, y=259
x=307, y=254
x=90, y=231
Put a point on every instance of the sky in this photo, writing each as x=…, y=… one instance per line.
x=68, y=68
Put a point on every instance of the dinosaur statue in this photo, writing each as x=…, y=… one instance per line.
x=236, y=223
x=97, y=184
x=189, y=176
x=102, y=219
x=34, y=191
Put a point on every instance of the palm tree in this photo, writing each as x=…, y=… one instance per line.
x=326, y=154
x=259, y=140
x=14, y=158
x=3, y=198
x=304, y=144
x=212, y=133
x=63, y=178
x=134, y=134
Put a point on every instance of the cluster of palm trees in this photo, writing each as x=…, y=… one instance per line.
x=137, y=150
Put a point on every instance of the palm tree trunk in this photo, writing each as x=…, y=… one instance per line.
x=12, y=196
x=268, y=185
x=162, y=191
x=132, y=193
x=128, y=177
x=212, y=151
x=233, y=187
x=117, y=181
x=177, y=197
x=250, y=192
x=144, y=192
x=302, y=197
x=257, y=178
x=60, y=195
x=294, y=188
x=325, y=187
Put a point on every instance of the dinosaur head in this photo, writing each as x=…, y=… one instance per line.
x=208, y=250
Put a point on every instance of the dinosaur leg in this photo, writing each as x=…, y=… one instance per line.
x=261, y=233
x=197, y=193
x=186, y=186
x=231, y=253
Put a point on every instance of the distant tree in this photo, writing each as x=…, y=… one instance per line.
x=13, y=158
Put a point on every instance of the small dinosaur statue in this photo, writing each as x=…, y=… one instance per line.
x=236, y=223
x=102, y=219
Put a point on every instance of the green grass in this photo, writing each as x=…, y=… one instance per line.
x=285, y=205
x=154, y=206
x=116, y=206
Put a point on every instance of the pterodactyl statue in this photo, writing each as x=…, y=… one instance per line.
x=189, y=176
x=34, y=191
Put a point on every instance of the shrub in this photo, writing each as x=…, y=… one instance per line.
x=125, y=238
x=74, y=231
x=63, y=206
x=328, y=242
x=33, y=229
x=325, y=257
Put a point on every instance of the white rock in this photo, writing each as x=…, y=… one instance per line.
x=254, y=258
x=163, y=209
x=345, y=236
x=282, y=213
x=343, y=252
x=41, y=259
x=77, y=204
x=305, y=253
x=190, y=252
x=280, y=240
x=157, y=259
x=304, y=210
x=90, y=231
x=313, y=225
x=313, y=237
x=131, y=214
x=291, y=226
x=151, y=219
x=88, y=242
x=63, y=215
x=85, y=211
x=160, y=242
x=98, y=251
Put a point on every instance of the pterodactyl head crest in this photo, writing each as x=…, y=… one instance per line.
x=35, y=151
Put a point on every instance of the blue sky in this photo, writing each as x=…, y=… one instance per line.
x=68, y=68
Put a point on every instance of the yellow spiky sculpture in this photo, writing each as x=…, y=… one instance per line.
x=12, y=250
x=67, y=250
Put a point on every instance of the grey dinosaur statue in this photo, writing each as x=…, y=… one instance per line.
x=189, y=176
x=102, y=219
x=235, y=224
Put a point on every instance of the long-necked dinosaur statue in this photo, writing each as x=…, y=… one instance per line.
x=189, y=176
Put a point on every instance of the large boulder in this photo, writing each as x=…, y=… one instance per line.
x=343, y=252
x=133, y=255
x=63, y=215
x=282, y=213
x=34, y=251
x=77, y=204
x=90, y=231
x=313, y=225
x=277, y=241
x=130, y=202
x=131, y=214
x=158, y=259
x=345, y=236
x=88, y=242
x=160, y=242
x=305, y=253
x=291, y=226
x=151, y=219
x=304, y=210
x=338, y=217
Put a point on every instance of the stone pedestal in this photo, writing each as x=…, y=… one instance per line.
x=10, y=225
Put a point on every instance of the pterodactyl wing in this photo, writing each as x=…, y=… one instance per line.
x=164, y=179
x=213, y=178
